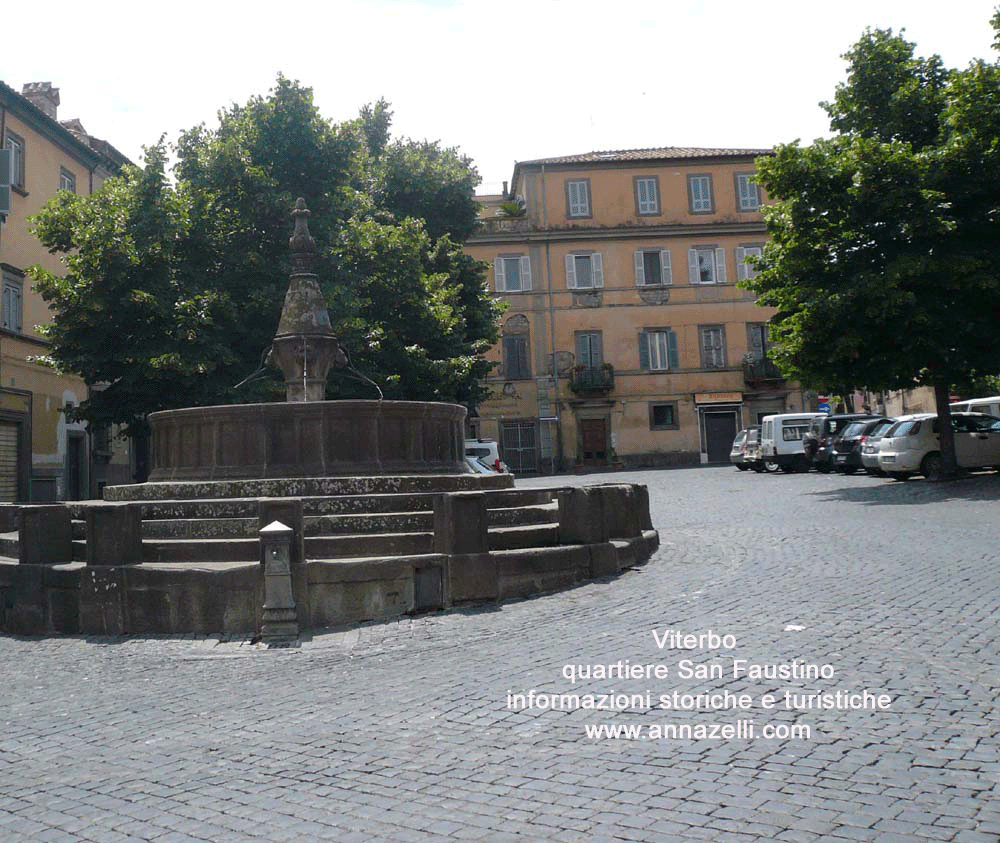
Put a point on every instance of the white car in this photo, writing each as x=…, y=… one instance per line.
x=912, y=444
x=487, y=454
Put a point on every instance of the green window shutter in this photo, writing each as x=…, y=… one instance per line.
x=524, y=368
x=720, y=266
x=666, y=273
x=673, y=358
x=6, y=166
x=640, y=272
x=741, y=266
x=644, y=351
x=570, y=273
x=525, y=272
x=597, y=269
x=498, y=273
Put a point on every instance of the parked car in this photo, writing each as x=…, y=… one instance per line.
x=737, y=456
x=848, y=443
x=912, y=445
x=818, y=440
x=781, y=441
x=870, y=445
x=487, y=453
x=990, y=406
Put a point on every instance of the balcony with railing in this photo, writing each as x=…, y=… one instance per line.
x=761, y=372
x=592, y=379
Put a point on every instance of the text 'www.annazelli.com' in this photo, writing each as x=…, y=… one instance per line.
x=741, y=730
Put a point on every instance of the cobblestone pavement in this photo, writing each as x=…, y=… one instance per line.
x=402, y=731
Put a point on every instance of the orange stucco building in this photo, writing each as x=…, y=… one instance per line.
x=627, y=340
x=42, y=455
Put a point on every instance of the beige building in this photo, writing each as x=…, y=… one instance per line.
x=42, y=455
x=627, y=340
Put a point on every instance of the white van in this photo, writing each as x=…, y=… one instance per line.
x=989, y=406
x=781, y=441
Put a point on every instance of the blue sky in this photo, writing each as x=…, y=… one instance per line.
x=503, y=81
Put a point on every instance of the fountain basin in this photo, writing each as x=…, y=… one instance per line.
x=308, y=439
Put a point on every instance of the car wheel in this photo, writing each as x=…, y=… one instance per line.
x=771, y=467
x=823, y=467
x=931, y=466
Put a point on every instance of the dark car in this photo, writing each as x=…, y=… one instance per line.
x=848, y=443
x=818, y=440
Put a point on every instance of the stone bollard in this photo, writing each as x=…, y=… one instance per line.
x=280, y=620
x=461, y=533
x=114, y=534
x=621, y=510
x=45, y=535
x=582, y=516
x=460, y=524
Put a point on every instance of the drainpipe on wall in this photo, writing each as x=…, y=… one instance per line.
x=552, y=331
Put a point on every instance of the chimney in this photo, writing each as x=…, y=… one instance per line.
x=43, y=96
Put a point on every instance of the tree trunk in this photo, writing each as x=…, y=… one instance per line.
x=946, y=434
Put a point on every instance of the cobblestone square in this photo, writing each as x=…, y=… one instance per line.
x=405, y=732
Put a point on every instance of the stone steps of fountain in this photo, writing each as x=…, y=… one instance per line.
x=243, y=549
x=323, y=525
x=209, y=508
x=303, y=487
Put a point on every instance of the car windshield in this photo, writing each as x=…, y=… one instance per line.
x=853, y=429
x=880, y=428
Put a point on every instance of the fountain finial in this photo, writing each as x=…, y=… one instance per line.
x=301, y=242
x=305, y=347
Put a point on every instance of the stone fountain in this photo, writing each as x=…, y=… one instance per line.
x=378, y=511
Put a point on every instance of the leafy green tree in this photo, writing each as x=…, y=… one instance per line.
x=881, y=264
x=173, y=289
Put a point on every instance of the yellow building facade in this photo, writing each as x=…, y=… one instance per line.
x=627, y=341
x=43, y=456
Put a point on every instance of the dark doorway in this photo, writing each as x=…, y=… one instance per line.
x=594, y=441
x=720, y=431
x=76, y=466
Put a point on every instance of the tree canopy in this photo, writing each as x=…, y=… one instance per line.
x=173, y=286
x=882, y=261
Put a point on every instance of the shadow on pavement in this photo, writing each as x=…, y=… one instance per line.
x=978, y=487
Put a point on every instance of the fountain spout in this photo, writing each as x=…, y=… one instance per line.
x=305, y=347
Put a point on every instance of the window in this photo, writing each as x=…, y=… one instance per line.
x=713, y=347
x=513, y=274
x=516, y=356
x=707, y=265
x=663, y=416
x=652, y=267
x=589, y=350
x=647, y=195
x=743, y=269
x=658, y=350
x=700, y=194
x=747, y=195
x=16, y=146
x=757, y=344
x=67, y=181
x=578, y=198
x=12, y=307
x=584, y=272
